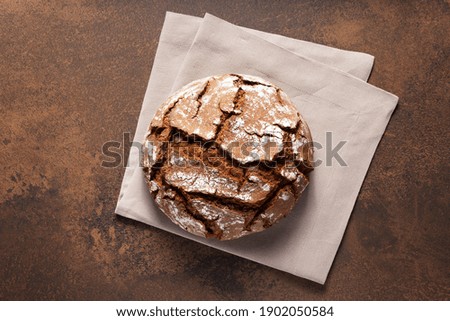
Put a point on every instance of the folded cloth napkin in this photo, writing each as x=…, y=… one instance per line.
x=323, y=83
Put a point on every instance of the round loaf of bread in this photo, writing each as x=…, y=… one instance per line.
x=227, y=156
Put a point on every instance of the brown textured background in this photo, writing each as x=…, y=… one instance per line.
x=73, y=75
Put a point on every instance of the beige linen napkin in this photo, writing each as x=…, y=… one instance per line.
x=330, y=100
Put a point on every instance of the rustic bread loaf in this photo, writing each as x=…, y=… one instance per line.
x=227, y=156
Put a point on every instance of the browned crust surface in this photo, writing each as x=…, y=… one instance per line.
x=227, y=156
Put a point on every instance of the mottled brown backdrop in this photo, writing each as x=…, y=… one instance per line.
x=73, y=75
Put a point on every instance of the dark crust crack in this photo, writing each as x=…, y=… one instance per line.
x=210, y=227
x=226, y=115
x=243, y=81
x=199, y=99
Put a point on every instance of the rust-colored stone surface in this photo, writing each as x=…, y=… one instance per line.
x=72, y=77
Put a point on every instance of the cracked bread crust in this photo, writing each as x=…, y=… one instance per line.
x=227, y=156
